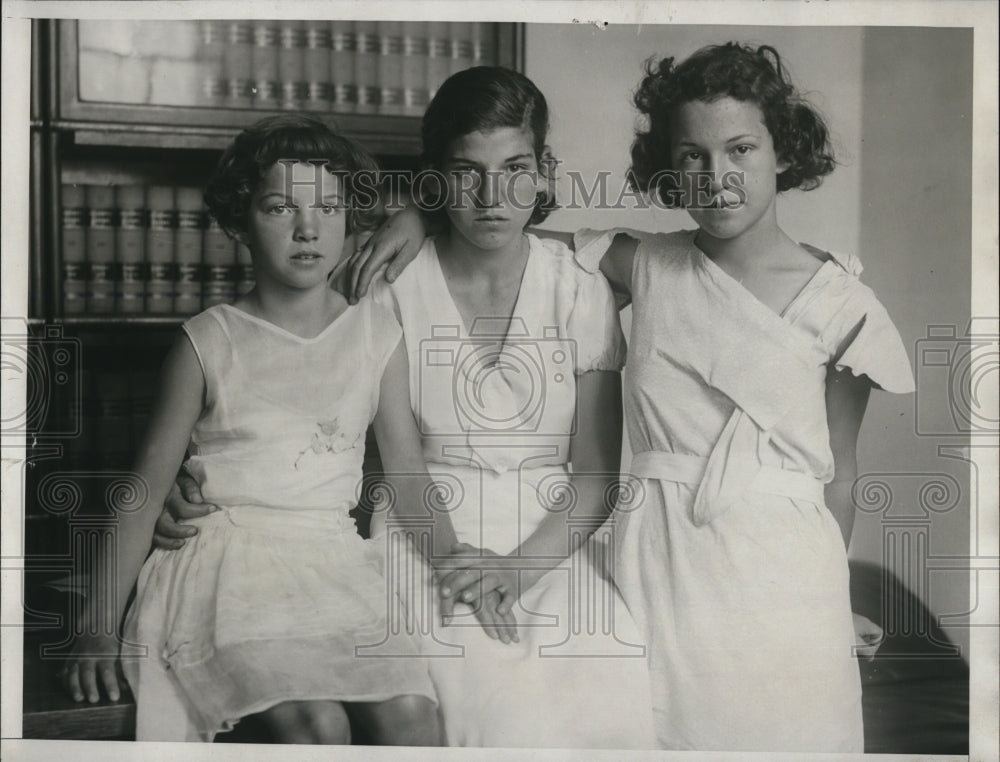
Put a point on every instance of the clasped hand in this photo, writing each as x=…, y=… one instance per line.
x=486, y=581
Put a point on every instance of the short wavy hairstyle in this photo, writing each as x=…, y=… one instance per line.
x=288, y=137
x=743, y=73
x=485, y=98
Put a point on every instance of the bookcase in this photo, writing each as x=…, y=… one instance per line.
x=127, y=121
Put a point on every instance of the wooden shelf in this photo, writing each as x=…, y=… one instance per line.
x=376, y=140
x=117, y=321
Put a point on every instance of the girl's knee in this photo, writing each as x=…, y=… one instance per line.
x=310, y=722
x=407, y=721
x=328, y=722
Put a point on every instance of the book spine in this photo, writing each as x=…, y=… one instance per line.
x=366, y=67
x=101, y=283
x=238, y=64
x=220, y=259
x=390, y=67
x=131, y=243
x=187, y=298
x=74, y=249
x=462, y=52
x=317, y=67
x=438, y=55
x=243, y=271
x=415, y=61
x=160, y=246
x=266, y=85
x=292, y=65
x=212, y=55
x=343, y=66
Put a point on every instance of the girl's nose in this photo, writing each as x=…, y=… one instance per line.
x=717, y=169
x=306, y=228
x=489, y=192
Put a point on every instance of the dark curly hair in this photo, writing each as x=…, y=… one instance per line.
x=281, y=138
x=485, y=98
x=736, y=71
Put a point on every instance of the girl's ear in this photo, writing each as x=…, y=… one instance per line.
x=782, y=165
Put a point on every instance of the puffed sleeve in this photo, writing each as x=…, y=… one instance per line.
x=591, y=245
x=873, y=347
x=593, y=324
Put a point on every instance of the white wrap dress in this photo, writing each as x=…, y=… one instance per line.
x=729, y=559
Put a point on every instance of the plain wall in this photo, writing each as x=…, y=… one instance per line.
x=916, y=228
x=897, y=102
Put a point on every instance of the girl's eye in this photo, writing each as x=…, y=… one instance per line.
x=329, y=209
x=517, y=168
x=691, y=156
x=743, y=150
x=279, y=209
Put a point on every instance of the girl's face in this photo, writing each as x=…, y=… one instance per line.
x=728, y=166
x=492, y=184
x=296, y=225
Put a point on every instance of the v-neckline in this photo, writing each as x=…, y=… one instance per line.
x=518, y=301
x=284, y=331
x=721, y=275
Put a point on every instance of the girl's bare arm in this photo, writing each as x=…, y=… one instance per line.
x=177, y=407
x=846, y=401
x=402, y=457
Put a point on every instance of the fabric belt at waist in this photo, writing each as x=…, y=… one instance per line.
x=689, y=469
x=281, y=521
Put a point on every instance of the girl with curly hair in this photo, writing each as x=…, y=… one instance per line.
x=261, y=613
x=752, y=358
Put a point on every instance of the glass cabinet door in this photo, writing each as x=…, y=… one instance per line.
x=212, y=72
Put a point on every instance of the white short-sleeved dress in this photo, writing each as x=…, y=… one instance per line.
x=496, y=425
x=731, y=562
x=272, y=599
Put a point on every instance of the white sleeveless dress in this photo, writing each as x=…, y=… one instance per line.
x=496, y=430
x=274, y=597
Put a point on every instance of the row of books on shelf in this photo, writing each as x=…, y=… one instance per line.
x=146, y=250
x=383, y=67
